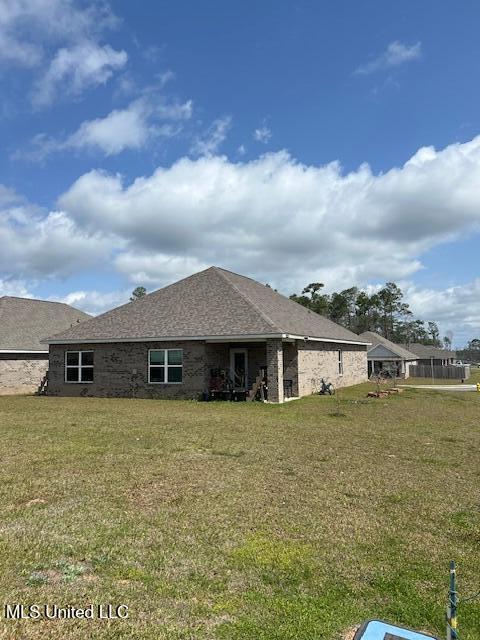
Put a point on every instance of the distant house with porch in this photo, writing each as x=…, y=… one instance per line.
x=426, y=354
x=211, y=333
x=385, y=356
x=24, y=322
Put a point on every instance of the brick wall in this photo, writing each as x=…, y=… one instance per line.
x=275, y=370
x=318, y=360
x=21, y=373
x=290, y=365
x=114, y=366
x=121, y=370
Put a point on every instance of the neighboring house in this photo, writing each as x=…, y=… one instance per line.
x=384, y=355
x=211, y=330
x=427, y=354
x=23, y=324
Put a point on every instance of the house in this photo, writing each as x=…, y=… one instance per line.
x=214, y=331
x=386, y=356
x=23, y=324
x=426, y=354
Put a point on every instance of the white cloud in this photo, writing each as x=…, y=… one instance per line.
x=396, y=54
x=62, y=39
x=281, y=220
x=156, y=269
x=12, y=287
x=455, y=308
x=211, y=141
x=94, y=302
x=143, y=121
x=262, y=134
x=23, y=54
x=38, y=244
x=123, y=129
x=74, y=69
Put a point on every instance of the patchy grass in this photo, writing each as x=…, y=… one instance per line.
x=240, y=521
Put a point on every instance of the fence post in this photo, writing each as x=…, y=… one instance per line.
x=452, y=605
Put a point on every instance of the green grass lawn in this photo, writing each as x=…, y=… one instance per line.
x=240, y=521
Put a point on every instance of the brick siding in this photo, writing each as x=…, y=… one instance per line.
x=121, y=370
x=22, y=373
x=318, y=360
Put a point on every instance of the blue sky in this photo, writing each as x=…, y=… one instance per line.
x=291, y=142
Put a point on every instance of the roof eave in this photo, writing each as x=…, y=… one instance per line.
x=165, y=338
x=336, y=340
x=215, y=338
x=23, y=351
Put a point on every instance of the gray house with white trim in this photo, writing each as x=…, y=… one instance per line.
x=24, y=322
x=386, y=356
x=213, y=332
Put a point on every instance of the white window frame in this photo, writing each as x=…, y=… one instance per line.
x=166, y=366
x=340, y=362
x=79, y=366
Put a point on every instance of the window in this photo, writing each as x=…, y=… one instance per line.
x=340, y=362
x=165, y=366
x=79, y=366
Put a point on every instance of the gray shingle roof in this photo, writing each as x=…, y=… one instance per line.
x=427, y=351
x=214, y=302
x=376, y=339
x=25, y=322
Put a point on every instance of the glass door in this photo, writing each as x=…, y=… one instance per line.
x=239, y=368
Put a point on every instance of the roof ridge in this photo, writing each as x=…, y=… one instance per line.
x=37, y=300
x=246, y=298
x=240, y=275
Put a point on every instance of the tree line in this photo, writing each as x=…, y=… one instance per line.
x=384, y=311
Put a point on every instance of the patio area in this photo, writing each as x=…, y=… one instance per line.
x=248, y=371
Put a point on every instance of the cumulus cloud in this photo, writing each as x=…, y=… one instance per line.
x=62, y=39
x=212, y=139
x=396, y=54
x=455, y=308
x=141, y=122
x=37, y=243
x=278, y=219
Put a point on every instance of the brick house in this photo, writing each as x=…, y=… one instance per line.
x=212, y=330
x=23, y=324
